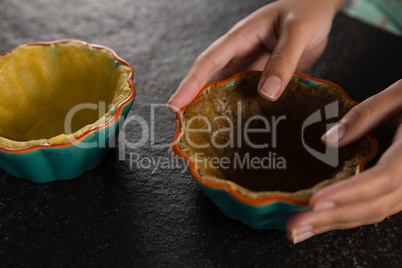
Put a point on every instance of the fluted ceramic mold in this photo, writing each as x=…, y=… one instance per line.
x=257, y=209
x=46, y=84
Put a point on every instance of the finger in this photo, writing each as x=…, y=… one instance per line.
x=345, y=217
x=366, y=116
x=382, y=179
x=310, y=56
x=283, y=62
x=367, y=185
x=254, y=60
x=398, y=133
x=397, y=120
x=391, y=159
x=242, y=40
x=363, y=199
x=211, y=60
x=172, y=153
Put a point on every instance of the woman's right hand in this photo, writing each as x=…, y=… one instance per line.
x=279, y=38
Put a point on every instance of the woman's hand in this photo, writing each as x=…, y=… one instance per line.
x=279, y=38
x=370, y=196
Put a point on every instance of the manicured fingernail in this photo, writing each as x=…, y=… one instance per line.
x=324, y=206
x=271, y=87
x=301, y=237
x=300, y=230
x=171, y=107
x=297, y=233
x=334, y=134
x=172, y=153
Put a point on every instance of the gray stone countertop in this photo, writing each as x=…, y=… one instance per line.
x=122, y=214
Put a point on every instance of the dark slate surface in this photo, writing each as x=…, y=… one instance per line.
x=125, y=215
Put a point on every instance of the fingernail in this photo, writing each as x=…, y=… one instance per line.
x=334, y=134
x=271, y=87
x=297, y=234
x=324, y=206
x=172, y=153
x=171, y=107
x=301, y=237
x=303, y=229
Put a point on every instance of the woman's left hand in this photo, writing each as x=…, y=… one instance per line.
x=370, y=196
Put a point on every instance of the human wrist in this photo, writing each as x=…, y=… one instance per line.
x=336, y=5
x=332, y=5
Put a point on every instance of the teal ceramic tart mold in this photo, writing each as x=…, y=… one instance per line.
x=243, y=193
x=61, y=103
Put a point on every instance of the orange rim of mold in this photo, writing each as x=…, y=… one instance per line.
x=116, y=113
x=262, y=200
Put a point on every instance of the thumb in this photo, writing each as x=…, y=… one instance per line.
x=282, y=63
x=366, y=116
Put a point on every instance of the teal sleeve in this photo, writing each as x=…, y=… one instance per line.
x=385, y=14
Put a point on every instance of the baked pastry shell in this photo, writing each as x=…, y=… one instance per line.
x=67, y=156
x=260, y=211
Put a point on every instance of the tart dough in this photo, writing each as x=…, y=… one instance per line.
x=220, y=117
x=39, y=85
